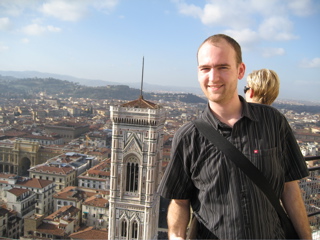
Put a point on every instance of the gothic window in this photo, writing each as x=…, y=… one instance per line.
x=123, y=228
x=132, y=178
x=134, y=230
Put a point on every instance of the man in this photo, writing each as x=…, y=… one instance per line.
x=262, y=86
x=226, y=203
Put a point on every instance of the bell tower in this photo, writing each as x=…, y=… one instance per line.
x=136, y=159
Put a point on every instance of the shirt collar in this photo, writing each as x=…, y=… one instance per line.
x=247, y=111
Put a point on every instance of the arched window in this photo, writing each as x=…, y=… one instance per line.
x=132, y=178
x=123, y=232
x=134, y=230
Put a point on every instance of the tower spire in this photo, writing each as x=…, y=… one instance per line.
x=141, y=95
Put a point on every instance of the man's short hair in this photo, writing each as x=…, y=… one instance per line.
x=265, y=84
x=235, y=45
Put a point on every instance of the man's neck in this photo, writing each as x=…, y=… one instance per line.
x=228, y=112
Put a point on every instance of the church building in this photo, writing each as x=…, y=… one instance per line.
x=136, y=159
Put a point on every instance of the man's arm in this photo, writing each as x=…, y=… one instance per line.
x=294, y=205
x=178, y=218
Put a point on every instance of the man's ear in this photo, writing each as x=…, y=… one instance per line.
x=242, y=70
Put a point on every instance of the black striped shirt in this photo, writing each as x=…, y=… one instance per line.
x=222, y=197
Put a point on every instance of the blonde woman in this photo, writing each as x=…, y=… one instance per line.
x=262, y=86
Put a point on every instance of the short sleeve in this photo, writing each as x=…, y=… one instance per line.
x=176, y=182
x=296, y=167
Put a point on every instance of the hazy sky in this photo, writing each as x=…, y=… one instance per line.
x=106, y=39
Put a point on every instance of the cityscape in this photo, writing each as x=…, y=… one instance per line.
x=84, y=143
x=89, y=168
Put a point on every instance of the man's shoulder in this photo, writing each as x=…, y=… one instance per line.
x=185, y=130
x=256, y=107
x=265, y=113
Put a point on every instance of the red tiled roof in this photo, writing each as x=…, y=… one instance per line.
x=96, y=201
x=53, y=169
x=102, y=165
x=90, y=233
x=41, y=137
x=72, y=193
x=140, y=103
x=7, y=175
x=99, y=172
x=18, y=191
x=34, y=183
x=52, y=229
x=15, y=133
x=63, y=211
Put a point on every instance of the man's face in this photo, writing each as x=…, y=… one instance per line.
x=218, y=72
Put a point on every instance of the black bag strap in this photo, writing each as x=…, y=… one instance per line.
x=247, y=167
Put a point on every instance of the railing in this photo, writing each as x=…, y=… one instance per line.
x=310, y=187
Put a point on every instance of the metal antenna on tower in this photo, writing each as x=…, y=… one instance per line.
x=141, y=96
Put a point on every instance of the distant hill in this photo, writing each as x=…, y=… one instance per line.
x=299, y=108
x=30, y=87
x=95, y=83
x=80, y=83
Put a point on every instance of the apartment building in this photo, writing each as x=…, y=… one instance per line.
x=71, y=195
x=95, y=211
x=97, y=177
x=63, y=175
x=45, y=140
x=68, y=130
x=58, y=225
x=63, y=169
x=43, y=190
x=10, y=223
x=20, y=200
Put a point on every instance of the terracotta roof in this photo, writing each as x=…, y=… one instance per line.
x=53, y=169
x=96, y=201
x=63, y=211
x=18, y=191
x=67, y=157
x=73, y=193
x=34, y=183
x=69, y=124
x=90, y=233
x=102, y=165
x=15, y=133
x=97, y=179
x=99, y=172
x=140, y=103
x=7, y=175
x=41, y=137
x=96, y=191
x=50, y=229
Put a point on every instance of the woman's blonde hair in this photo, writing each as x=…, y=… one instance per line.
x=265, y=84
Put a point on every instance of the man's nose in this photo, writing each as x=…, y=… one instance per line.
x=213, y=74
